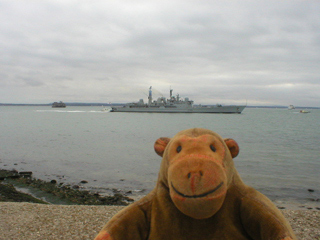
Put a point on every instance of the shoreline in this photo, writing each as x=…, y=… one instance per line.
x=83, y=222
x=16, y=186
x=77, y=220
x=21, y=187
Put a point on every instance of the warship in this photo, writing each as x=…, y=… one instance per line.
x=175, y=104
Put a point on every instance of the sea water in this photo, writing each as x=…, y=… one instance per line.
x=279, y=148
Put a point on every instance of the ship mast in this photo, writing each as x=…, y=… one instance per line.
x=150, y=96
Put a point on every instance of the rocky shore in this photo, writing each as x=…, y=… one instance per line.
x=70, y=194
x=23, y=216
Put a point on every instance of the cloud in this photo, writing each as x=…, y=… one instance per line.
x=110, y=50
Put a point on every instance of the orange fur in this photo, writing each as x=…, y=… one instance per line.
x=103, y=235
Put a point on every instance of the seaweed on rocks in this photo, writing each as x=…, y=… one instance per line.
x=8, y=193
x=66, y=192
x=8, y=174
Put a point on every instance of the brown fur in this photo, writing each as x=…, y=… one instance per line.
x=199, y=195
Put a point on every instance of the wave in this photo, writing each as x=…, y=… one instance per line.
x=74, y=111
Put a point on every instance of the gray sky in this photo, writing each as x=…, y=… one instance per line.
x=229, y=52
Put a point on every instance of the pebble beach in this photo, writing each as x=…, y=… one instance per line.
x=19, y=221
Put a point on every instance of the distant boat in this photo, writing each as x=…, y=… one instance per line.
x=175, y=105
x=104, y=109
x=58, y=104
x=304, y=111
x=291, y=107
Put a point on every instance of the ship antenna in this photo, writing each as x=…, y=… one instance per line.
x=150, y=96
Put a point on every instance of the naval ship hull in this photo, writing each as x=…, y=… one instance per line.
x=211, y=109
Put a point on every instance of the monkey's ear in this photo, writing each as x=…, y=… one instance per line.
x=160, y=145
x=233, y=147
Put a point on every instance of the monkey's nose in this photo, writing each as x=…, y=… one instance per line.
x=197, y=174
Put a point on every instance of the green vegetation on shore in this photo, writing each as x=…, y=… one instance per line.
x=9, y=193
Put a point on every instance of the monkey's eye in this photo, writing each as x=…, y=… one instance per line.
x=212, y=148
x=179, y=149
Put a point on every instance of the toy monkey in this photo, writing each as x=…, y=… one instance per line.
x=199, y=195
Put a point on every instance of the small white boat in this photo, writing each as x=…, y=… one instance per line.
x=304, y=111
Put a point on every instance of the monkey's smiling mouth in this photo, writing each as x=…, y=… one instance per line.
x=197, y=196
